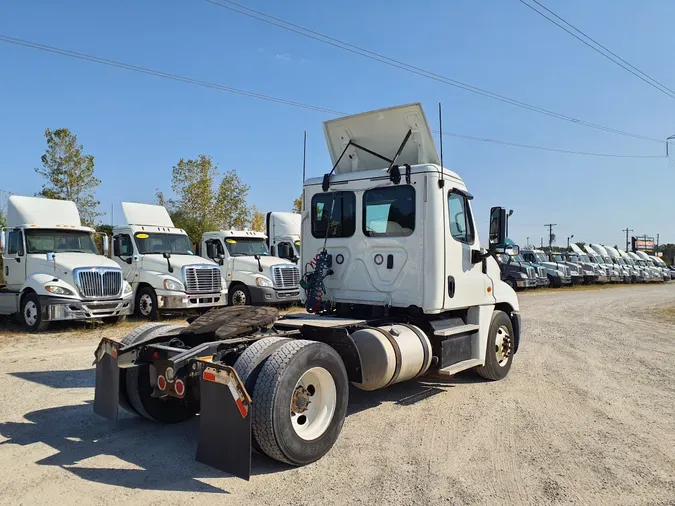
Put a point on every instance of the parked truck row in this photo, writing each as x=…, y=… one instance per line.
x=594, y=263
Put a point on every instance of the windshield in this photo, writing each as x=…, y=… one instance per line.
x=55, y=241
x=246, y=246
x=558, y=258
x=585, y=258
x=151, y=243
x=517, y=258
x=607, y=260
x=574, y=258
x=541, y=257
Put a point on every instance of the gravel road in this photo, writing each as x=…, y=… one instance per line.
x=586, y=416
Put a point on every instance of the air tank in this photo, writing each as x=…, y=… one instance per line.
x=391, y=354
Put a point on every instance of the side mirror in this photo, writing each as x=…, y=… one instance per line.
x=166, y=255
x=512, y=250
x=211, y=250
x=106, y=245
x=497, y=226
x=117, y=246
x=285, y=251
x=221, y=258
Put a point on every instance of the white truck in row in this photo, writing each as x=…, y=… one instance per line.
x=53, y=270
x=283, y=235
x=399, y=287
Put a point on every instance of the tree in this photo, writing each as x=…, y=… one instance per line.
x=199, y=206
x=297, y=204
x=69, y=173
x=257, y=220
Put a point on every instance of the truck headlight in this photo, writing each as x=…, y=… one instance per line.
x=559, y=274
x=58, y=290
x=523, y=275
x=263, y=281
x=127, y=289
x=174, y=285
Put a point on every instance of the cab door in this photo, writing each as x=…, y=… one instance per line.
x=126, y=254
x=14, y=263
x=466, y=284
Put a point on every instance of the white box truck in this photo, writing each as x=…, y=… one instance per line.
x=53, y=269
x=253, y=275
x=401, y=288
x=283, y=235
x=158, y=260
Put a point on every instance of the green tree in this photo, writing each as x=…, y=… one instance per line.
x=69, y=173
x=200, y=206
x=257, y=220
x=297, y=205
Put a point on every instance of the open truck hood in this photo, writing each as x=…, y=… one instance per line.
x=381, y=131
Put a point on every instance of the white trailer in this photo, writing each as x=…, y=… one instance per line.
x=253, y=275
x=159, y=262
x=53, y=269
x=399, y=287
x=283, y=235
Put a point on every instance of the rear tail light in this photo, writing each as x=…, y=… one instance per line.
x=161, y=382
x=180, y=388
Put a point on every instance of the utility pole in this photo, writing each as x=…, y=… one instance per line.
x=542, y=243
x=627, y=230
x=657, y=242
x=568, y=241
x=550, y=234
x=527, y=242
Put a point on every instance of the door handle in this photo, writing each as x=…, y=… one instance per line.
x=390, y=261
x=451, y=286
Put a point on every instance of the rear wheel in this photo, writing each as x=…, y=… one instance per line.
x=31, y=313
x=500, y=346
x=300, y=402
x=140, y=387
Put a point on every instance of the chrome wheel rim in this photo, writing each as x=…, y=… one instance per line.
x=503, y=345
x=238, y=298
x=30, y=313
x=145, y=304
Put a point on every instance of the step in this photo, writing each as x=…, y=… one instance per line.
x=458, y=367
x=459, y=329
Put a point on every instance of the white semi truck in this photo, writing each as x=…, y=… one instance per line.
x=283, y=235
x=53, y=269
x=398, y=285
x=253, y=275
x=158, y=260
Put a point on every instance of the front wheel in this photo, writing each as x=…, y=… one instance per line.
x=146, y=303
x=239, y=296
x=500, y=348
x=300, y=402
x=31, y=313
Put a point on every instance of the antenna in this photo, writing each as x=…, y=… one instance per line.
x=441, y=181
x=304, y=157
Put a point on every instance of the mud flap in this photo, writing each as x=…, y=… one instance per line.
x=106, y=392
x=224, y=422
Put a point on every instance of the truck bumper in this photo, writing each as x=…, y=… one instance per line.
x=577, y=280
x=590, y=278
x=181, y=300
x=543, y=282
x=526, y=283
x=566, y=280
x=59, y=308
x=265, y=295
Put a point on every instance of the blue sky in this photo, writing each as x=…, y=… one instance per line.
x=138, y=126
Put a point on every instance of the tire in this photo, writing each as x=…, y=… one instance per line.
x=249, y=364
x=114, y=320
x=145, y=305
x=501, y=329
x=300, y=442
x=135, y=335
x=555, y=282
x=139, y=391
x=239, y=296
x=31, y=313
x=511, y=283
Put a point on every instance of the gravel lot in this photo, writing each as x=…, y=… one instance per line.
x=586, y=416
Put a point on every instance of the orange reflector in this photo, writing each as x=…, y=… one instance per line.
x=180, y=387
x=489, y=289
x=209, y=376
x=113, y=352
x=161, y=383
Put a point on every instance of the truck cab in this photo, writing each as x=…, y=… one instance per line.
x=516, y=273
x=283, y=235
x=559, y=275
x=576, y=272
x=649, y=273
x=253, y=275
x=628, y=273
x=158, y=260
x=600, y=255
x=641, y=274
x=53, y=269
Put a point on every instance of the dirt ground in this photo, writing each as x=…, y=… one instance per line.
x=586, y=416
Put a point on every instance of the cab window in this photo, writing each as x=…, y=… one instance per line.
x=333, y=214
x=461, y=222
x=126, y=246
x=14, y=243
x=389, y=212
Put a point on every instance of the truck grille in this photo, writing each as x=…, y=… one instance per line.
x=99, y=282
x=286, y=276
x=541, y=272
x=202, y=279
x=531, y=273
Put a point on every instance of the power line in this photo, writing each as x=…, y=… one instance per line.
x=219, y=87
x=611, y=56
x=372, y=55
x=551, y=235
